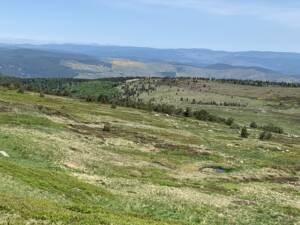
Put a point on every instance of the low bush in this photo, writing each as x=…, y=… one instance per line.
x=113, y=106
x=21, y=90
x=229, y=121
x=253, y=125
x=244, y=133
x=234, y=126
x=107, y=127
x=265, y=135
x=273, y=128
x=206, y=116
x=187, y=112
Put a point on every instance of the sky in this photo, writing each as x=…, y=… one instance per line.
x=233, y=25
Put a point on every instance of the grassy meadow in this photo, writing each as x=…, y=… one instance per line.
x=58, y=165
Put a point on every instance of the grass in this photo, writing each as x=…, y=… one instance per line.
x=150, y=168
x=16, y=119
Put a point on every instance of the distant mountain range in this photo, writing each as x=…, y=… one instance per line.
x=93, y=61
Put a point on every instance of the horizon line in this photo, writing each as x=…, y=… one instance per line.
x=24, y=41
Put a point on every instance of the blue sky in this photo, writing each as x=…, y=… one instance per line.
x=271, y=25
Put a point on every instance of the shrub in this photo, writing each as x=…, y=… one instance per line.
x=107, y=127
x=168, y=109
x=265, y=135
x=229, y=121
x=234, y=126
x=202, y=115
x=206, y=116
x=42, y=95
x=178, y=111
x=88, y=98
x=253, y=125
x=273, y=128
x=244, y=133
x=21, y=90
x=113, y=106
x=187, y=112
x=164, y=108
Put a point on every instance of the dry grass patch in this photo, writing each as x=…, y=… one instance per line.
x=265, y=192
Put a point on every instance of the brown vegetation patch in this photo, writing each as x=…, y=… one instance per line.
x=189, y=150
x=164, y=164
x=266, y=174
x=87, y=130
x=53, y=112
x=5, y=107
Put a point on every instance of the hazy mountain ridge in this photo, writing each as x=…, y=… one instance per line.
x=283, y=62
x=39, y=63
x=89, y=61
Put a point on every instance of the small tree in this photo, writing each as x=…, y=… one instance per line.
x=244, y=133
x=253, y=125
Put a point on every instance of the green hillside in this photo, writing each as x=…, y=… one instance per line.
x=58, y=165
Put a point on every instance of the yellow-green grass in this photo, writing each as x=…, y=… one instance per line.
x=150, y=168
